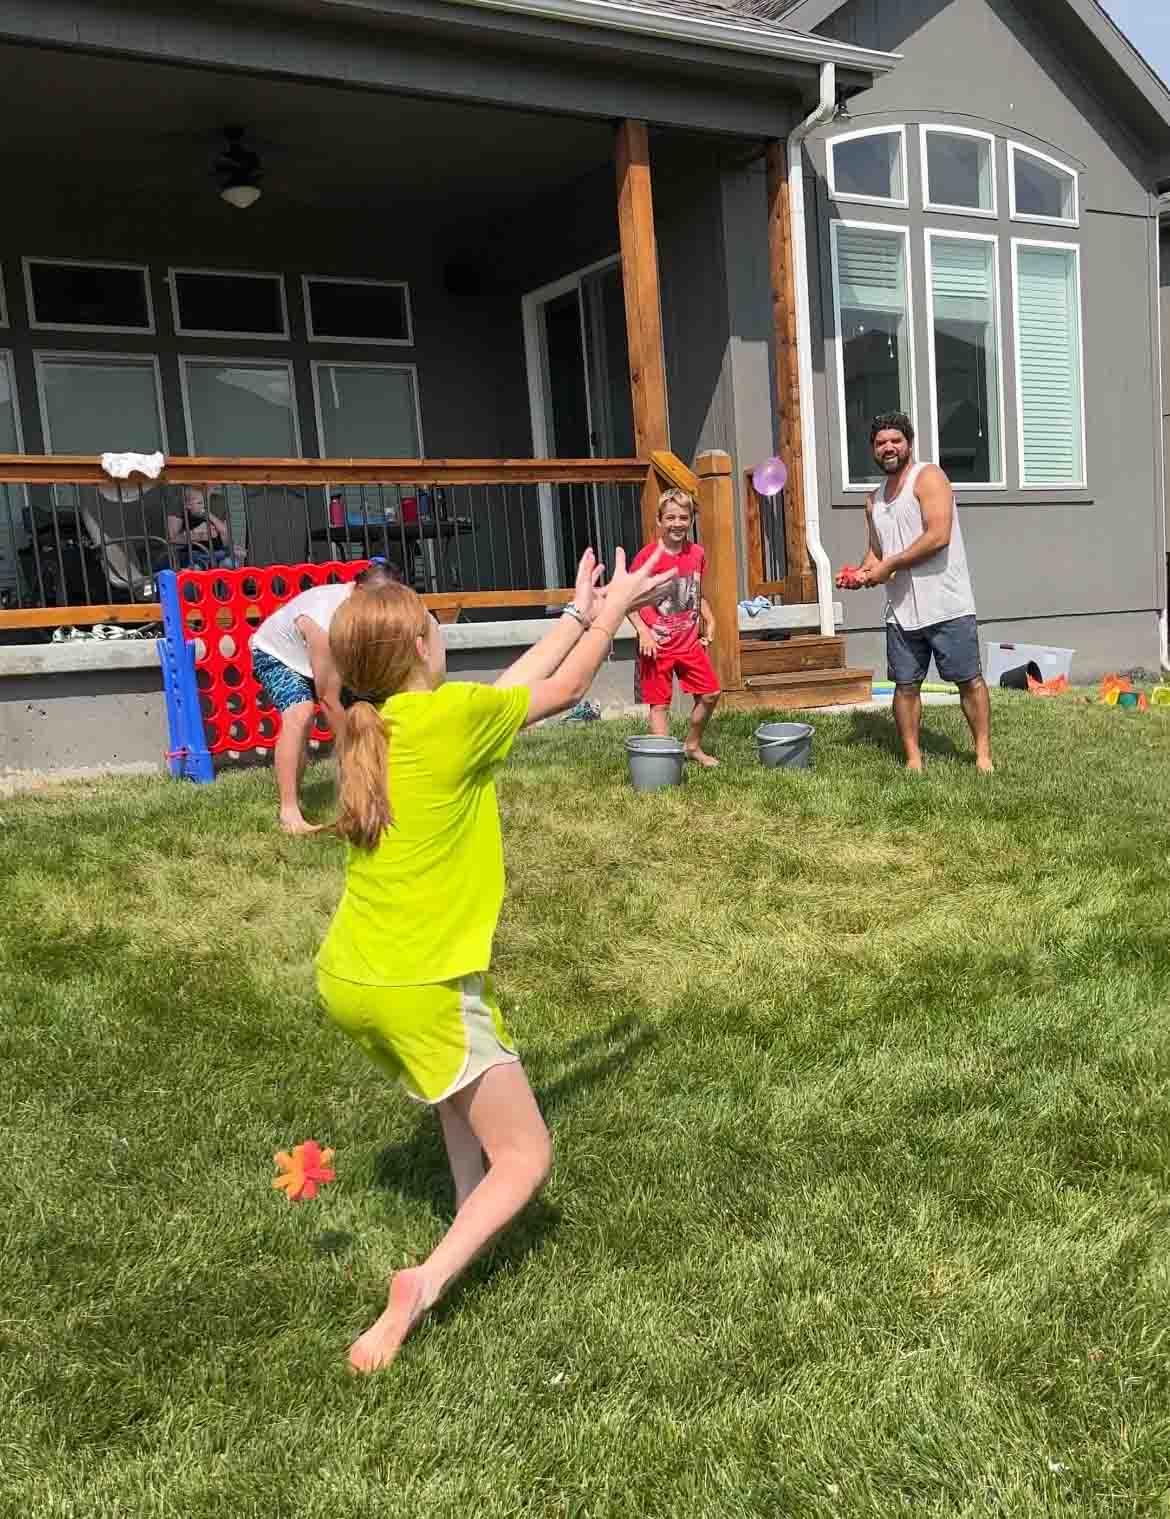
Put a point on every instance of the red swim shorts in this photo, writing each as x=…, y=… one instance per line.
x=696, y=674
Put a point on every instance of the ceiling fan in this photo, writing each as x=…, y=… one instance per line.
x=238, y=170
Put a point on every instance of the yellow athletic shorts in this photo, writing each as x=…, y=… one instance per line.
x=435, y=1039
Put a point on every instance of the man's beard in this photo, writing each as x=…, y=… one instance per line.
x=891, y=466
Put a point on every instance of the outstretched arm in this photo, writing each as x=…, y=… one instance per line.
x=539, y=662
x=873, y=549
x=568, y=684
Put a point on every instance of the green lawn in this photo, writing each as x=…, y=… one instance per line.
x=860, y=1091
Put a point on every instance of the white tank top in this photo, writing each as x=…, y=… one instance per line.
x=934, y=590
x=277, y=635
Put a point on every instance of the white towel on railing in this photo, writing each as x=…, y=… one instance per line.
x=122, y=466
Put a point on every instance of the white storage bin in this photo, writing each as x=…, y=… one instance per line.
x=1009, y=656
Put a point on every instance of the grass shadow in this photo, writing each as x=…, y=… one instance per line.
x=878, y=731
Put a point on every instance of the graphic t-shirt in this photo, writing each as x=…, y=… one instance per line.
x=677, y=609
x=422, y=906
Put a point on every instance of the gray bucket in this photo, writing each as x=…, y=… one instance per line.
x=785, y=745
x=655, y=762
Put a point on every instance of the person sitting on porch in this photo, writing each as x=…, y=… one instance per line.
x=202, y=538
x=292, y=662
x=404, y=969
x=669, y=640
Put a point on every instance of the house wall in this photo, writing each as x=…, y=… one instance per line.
x=1164, y=334
x=1092, y=554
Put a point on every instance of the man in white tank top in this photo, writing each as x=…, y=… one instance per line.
x=915, y=549
x=292, y=662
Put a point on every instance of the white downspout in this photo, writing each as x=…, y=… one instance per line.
x=824, y=112
x=1164, y=615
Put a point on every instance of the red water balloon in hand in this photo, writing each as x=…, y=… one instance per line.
x=850, y=578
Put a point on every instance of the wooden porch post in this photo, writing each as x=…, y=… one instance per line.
x=800, y=581
x=643, y=303
x=721, y=579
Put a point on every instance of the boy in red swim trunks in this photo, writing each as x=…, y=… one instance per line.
x=670, y=640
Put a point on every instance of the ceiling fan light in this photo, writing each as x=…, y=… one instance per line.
x=241, y=196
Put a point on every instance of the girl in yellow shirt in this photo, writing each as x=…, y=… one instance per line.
x=404, y=967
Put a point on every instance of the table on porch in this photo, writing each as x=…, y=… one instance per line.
x=392, y=539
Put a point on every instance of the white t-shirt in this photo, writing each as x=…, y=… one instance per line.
x=277, y=635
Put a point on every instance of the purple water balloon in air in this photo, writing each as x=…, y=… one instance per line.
x=770, y=477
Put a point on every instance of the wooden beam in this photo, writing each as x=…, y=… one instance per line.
x=79, y=617
x=640, y=284
x=65, y=469
x=674, y=472
x=721, y=578
x=800, y=580
x=754, y=537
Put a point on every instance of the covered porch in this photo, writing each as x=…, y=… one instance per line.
x=469, y=335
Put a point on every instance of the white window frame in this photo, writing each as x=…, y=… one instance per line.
x=1015, y=148
x=839, y=341
x=929, y=234
x=17, y=494
x=43, y=356
x=1075, y=249
x=238, y=361
x=946, y=131
x=318, y=364
x=88, y=263
x=341, y=279
x=869, y=200
x=219, y=332
x=9, y=363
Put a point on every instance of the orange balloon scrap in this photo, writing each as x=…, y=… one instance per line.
x=303, y=1171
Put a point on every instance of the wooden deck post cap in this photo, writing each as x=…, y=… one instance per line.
x=712, y=462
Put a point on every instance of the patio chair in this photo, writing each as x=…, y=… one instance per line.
x=125, y=530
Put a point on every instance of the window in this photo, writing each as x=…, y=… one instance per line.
x=12, y=498
x=965, y=357
x=240, y=407
x=869, y=166
x=357, y=311
x=1049, y=363
x=875, y=361
x=958, y=170
x=220, y=303
x=98, y=403
x=79, y=297
x=367, y=411
x=1042, y=190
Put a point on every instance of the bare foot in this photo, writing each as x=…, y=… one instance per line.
x=294, y=823
x=915, y=766
x=382, y=1341
x=696, y=756
x=984, y=765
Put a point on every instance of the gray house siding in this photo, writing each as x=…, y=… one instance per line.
x=1086, y=564
x=1164, y=327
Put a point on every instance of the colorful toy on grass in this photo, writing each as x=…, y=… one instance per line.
x=1118, y=691
x=1057, y=686
x=304, y=1170
x=1160, y=696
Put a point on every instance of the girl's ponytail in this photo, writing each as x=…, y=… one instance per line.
x=374, y=638
x=364, y=781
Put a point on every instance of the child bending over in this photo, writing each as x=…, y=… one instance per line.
x=404, y=967
x=292, y=662
x=669, y=638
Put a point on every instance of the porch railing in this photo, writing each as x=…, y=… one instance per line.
x=474, y=535
x=77, y=547
x=777, y=557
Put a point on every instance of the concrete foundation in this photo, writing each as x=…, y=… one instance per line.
x=99, y=705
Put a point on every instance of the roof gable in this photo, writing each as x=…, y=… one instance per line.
x=1082, y=26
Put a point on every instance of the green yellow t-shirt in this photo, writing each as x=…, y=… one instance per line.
x=422, y=906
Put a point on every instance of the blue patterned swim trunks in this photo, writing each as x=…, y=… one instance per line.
x=283, y=686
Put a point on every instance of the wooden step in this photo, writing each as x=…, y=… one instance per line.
x=801, y=688
x=763, y=656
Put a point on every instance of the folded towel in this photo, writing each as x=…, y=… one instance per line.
x=122, y=466
x=757, y=605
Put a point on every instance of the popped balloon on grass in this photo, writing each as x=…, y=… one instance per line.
x=303, y=1171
